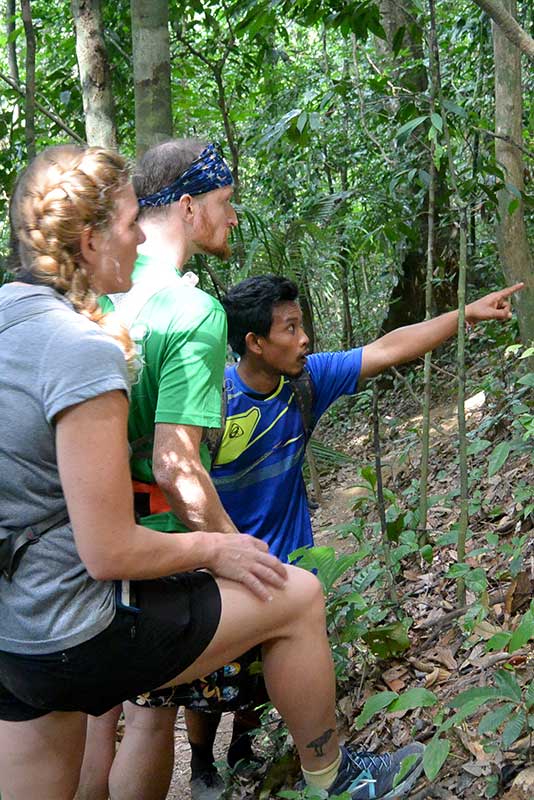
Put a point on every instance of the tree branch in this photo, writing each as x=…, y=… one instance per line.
x=50, y=114
x=511, y=29
x=508, y=139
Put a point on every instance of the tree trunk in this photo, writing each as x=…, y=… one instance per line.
x=95, y=77
x=11, y=44
x=503, y=14
x=512, y=239
x=152, y=72
x=30, y=78
x=407, y=302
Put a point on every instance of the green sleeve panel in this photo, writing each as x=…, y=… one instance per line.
x=192, y=373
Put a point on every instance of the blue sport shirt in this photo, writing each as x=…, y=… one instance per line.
x=258, y=469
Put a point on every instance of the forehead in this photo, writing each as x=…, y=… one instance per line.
x=220, y=195
x=288, y=311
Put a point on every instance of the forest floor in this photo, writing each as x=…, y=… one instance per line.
x=447, y=652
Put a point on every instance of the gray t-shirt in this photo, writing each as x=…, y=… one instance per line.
x=47, y=363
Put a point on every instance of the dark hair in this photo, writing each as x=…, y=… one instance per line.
x=161, y=165
x=249, y=306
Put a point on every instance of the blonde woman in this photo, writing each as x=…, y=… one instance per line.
x=87, y=618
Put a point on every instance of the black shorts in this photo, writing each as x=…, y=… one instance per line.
x=139, y=651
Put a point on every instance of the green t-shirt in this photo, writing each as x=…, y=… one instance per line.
x=180, y=335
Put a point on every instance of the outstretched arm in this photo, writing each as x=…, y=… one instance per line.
x=405, y=344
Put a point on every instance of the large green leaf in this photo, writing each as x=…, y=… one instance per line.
x=387, y=640
x=514, y=728
x=498, y=457
x=495, y=718
x=414, y=698
x=523, y=632
x=435, y=755
x=372, y=706
x=323, y=559
x=507, y=685
x=405, y=130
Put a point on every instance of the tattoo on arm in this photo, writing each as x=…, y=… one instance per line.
x=319, y=743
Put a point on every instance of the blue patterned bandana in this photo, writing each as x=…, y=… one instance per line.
x=209, y=171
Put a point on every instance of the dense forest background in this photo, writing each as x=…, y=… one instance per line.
x=340, y=121
x=383, y=157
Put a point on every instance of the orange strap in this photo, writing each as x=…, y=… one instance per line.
x=157, y=500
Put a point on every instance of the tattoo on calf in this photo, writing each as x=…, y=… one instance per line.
x=319, y=743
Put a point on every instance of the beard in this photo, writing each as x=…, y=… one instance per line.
x=209, y=243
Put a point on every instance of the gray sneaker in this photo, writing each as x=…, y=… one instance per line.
x=368, y=776
x=207, y=786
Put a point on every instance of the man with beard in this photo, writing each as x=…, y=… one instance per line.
x=184, y=189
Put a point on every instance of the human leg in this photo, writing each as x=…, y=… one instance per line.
x=98, y=755
x=292, y=629
x=299, y=676
x=144, y=762
x=241, y=745
x=45, y=752
x=201, y=731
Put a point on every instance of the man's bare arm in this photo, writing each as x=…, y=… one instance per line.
x=412, y=341
x=185, y=482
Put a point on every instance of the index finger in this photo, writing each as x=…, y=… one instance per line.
x=517, y=287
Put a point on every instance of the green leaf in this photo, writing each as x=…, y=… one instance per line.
x=405, y=130
x=507, y=685
x=323, y=559
x=414, y=698
x=369, y=474
x=523, y=632
x=527, y=380
x=387, y=640
x=302, y=120
x=435, y=755
x=514, y=728
x=437, y=122
x=477, y=446
x=498, y=641
x=495, y=718
x=475, y=697
x=498, y=457
x=529, y=696
x=407, y=764
x=454, y=108
x=373, y=705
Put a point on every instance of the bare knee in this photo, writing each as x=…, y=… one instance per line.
x=307, y=594
x=149, y=720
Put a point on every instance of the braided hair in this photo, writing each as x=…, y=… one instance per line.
x=65, y=190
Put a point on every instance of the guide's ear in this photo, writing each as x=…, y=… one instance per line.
x=253, y=343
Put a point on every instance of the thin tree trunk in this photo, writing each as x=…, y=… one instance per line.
x=503, y=14
x=512, y=241
x=11, y=8
x=425, y=436
x=152, y=72
x=380, y=497
x=462, y=430
x=229, y=130
x=30, y=78
x=462, y=276
x=95, y=75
